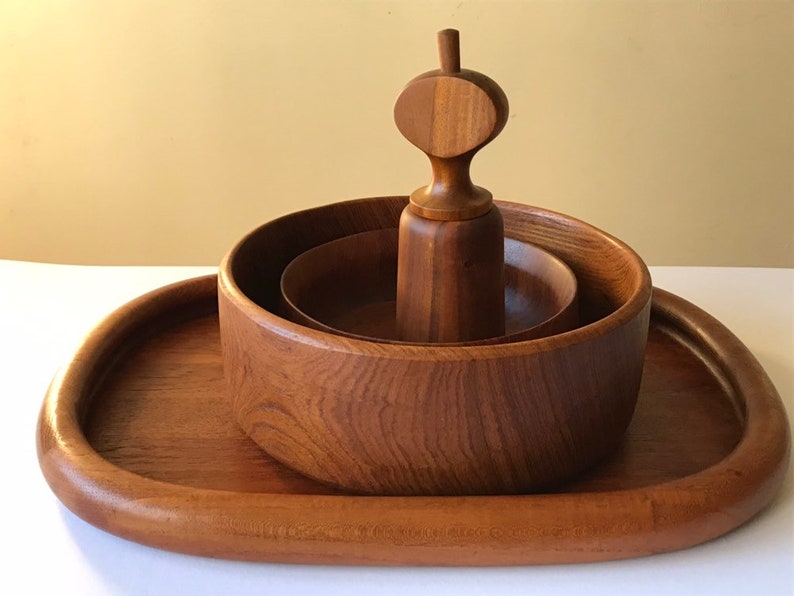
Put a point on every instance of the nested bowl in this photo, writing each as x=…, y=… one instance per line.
x=408, y=419
x=349, y=286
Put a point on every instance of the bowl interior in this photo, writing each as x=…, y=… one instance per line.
x=348, y=286
x=608, y=273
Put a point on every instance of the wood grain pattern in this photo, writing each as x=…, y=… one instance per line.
x=349, y=287
x=428, y=419
x=135, y=436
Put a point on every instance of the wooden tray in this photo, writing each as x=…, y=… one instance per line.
x=136, y=437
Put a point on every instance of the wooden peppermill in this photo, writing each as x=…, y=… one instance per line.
x=450, y=271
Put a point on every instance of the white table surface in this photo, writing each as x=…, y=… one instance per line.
x=46, y=309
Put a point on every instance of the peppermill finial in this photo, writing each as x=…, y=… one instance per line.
x=450, y=114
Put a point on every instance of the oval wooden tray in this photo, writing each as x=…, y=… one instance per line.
x=136, y=437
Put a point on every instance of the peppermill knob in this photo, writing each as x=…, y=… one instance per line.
x=450, y=114
x=450, y=265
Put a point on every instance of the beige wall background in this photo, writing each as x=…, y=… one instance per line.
x=148, y=132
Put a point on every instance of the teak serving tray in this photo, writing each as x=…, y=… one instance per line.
x=136, y=437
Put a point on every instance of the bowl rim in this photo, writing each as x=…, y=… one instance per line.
x=640, y=299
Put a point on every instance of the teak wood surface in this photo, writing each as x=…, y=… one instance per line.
x=136, y=437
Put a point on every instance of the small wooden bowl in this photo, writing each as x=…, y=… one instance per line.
x=421, y=419
x=348, y=286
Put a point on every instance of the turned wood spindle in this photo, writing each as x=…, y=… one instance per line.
x=450, y=273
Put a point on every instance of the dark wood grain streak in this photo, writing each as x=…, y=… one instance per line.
x=158, y=460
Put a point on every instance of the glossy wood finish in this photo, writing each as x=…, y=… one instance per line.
x=450, y=274
x=136, y=436
x=348, y=287
x=427, y=419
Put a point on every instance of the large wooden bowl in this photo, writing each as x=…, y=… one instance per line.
x=418, y=419
x=349, y=286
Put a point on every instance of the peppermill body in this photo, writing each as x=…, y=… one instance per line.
x=450, y=278
x=450, y=266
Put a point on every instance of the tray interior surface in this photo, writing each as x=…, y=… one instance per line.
x=163, y=413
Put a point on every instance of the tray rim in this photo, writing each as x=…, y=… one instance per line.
x=366, y=530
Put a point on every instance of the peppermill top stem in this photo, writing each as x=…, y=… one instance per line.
x=449, y=50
